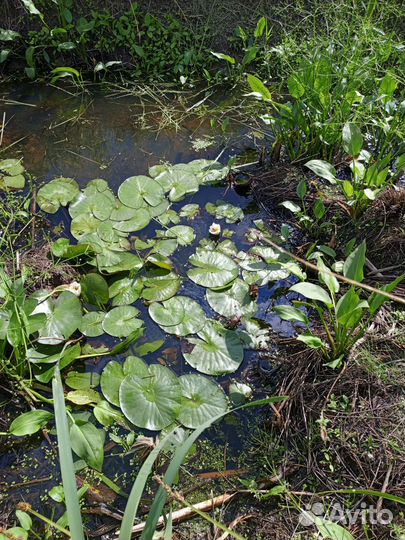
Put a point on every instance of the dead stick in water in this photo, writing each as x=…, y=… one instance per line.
x=186, y=513
x=313, y=267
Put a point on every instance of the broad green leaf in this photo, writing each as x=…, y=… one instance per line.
x=179, y=315
x=83, y=397
x=323, y=169
x=352, y=139
x=121, y=321
x=138, y=191
x=91, y=204
x=313, y=292
x=328, y=279
x=239, y=393
x=353, y=267
x=202, y=399
x=29, y=422
x=8, y=35
x=58, y=192
x=110, y=382
x=137, y=223
x=24, y=519
x=151, y=402
x=107, y=415
x=311, y=341
x=92, y=324
x=94, y=289
x=295, y=86
x=332, y=531
x=258, y=88
x=377, y=300
x=88, y=443
x=225, y=57
x=294, y=208
x=63, y=318
x=290, y=313
x=189, y=211
x=82, y=381
x=234, y=301
x=212, y=269
x=224, y=210
x=159, y=285
x=216, y=350
x=184, y=234
x=125, y=291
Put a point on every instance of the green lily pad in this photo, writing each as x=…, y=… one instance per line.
x=212, y=269
x=121, y=321
x=170, y=216
x=159, y=285
x=138, y=222
x=84, y=225
x=137, y=191
x=94, y=289
x=99, y=205
x=113, y=374
x=82, y=381
x=184, y=234
x=92, y=324
x=189, y=211
x=178, y=182
x=125, y=291
x=234, y=301
x=216, y=351
x=179, y=315
x=122, y=212
x=202, y=399
x=165, y=247
x=59, y=192
x=151, y=402
x=113, y=262
x=11, y=174
x=63, y=318
x=256, y=270
x=223, y=210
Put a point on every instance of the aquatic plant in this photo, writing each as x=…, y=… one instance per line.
x=345, y=316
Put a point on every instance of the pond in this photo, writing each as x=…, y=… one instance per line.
x=95, y=136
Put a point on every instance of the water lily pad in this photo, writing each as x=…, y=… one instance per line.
x=63, y=318
x=112, y=262
x=84, y=225
x=125, y=291
x=11, y=167
x=138, y=190
x=216, y=350
x=223, y=210
x=178, y=182
x=159, y=285
x=121, y=321
x=58, y=192
x=113, y=374
x=92, y=324
x=99, y=205
x=170, y=216
x=94, y=289
x=165, y=247
x=256, y=270
x=151, y=402
x=202, y=399
x=138, y=222
x=184, y=234
x=234, y=301
x=179, y=315
x=189, y=211
x=213, y=269
x=122, y=212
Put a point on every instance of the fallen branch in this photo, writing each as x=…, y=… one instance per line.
x=186, y=513
x=313, y=267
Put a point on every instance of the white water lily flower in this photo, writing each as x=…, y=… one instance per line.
x=215, y=229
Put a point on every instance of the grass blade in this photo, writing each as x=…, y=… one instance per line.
x=66, y=460
x=178, y=458
x=137, y=490
x=169, y=527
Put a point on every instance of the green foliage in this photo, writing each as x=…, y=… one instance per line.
x=144, y=46
x=345, y=315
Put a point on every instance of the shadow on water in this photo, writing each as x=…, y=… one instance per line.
x=93, y=136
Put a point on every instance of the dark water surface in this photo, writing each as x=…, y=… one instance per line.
x=94, y=136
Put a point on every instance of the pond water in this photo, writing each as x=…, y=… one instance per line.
x=96, y=136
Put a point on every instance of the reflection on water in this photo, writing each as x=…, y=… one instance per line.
x=92, y=136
